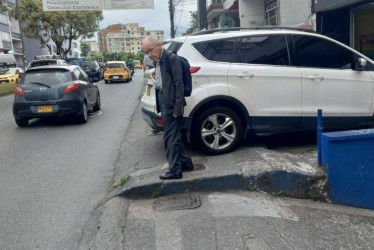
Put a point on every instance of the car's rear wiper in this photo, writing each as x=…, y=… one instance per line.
x=43, y=84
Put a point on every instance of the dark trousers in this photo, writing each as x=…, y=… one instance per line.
x=176, y=154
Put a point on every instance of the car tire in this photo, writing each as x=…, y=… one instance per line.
x=217, y=130
x=82, y=117
x=22, y=122
x=97, y=105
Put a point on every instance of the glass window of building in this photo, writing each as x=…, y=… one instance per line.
x=271, y=12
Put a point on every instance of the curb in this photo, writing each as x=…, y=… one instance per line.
x=278, y=182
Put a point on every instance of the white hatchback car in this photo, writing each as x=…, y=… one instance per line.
x=271, y=80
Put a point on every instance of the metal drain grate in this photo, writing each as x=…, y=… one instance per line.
x=166, y=204
x=198, y=167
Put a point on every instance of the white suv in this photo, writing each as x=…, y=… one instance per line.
x=272, y=81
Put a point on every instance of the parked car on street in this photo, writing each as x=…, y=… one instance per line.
x=271, y=80
x=55, y=91
x=11, y=75
x=116, y=71
x=93, y=70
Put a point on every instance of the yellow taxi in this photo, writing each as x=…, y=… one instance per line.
x=11, y=75
x=137, y=64
x=116, y=71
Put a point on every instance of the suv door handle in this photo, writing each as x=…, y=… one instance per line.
x=245, y=75
x=316, y=77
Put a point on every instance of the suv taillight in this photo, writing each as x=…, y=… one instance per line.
x=125, y=70
x=194, y=69
x=71, y=87
x=19, y=91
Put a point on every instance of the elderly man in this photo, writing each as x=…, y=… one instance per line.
x=170, y=100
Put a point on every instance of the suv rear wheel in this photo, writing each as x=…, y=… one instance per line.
x=218, y=130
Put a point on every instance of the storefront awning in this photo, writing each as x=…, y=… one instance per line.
x=230, y=5
x=325, y=5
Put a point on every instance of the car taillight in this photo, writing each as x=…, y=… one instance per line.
x=194, y=69
x=154, y=76
x=71, y=87
x=159, y=121
x=125, y=70
x=19, y=91
x=104, y=71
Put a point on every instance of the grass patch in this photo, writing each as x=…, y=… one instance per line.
x=156, y=193
x=7, y=87
x=277, y=193
x=124, y=181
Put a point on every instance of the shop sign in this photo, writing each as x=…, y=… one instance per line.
x=270, y=5
x=78, y=5
x=228, y=21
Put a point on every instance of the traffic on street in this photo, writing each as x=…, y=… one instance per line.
x=186, y=124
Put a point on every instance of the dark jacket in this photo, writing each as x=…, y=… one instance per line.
x=172, y=84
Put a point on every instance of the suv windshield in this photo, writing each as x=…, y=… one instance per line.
x=115, y=65
x=47, y=77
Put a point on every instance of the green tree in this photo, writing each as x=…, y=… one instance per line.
x=85, y=48
x=57, y=26
x=193, y=22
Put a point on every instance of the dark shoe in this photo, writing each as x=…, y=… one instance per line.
x=169, y=176
x=188, y=167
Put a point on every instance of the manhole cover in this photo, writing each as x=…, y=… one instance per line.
x=175, y=203
x=198, y=167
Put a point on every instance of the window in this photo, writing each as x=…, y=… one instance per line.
x=270, y=50
x=3, y=19
x=5, y=36
x=321, y=53
x=219, y=50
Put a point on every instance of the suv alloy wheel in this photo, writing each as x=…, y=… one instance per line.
x=218, y=130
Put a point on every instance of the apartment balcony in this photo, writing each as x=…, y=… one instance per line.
x=16, y=36
x=18, y=51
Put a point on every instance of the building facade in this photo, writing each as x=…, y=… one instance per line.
x=250, y=13
x=350, y=22
x=125, y=38
x=10, y=34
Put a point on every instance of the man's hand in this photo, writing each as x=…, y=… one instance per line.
x=175, y=116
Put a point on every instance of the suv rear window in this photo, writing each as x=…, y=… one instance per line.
x=174, y=46
x=88, y=64
x=218, y=50
x=43, y=63
x=47, y=76
x=115, y=65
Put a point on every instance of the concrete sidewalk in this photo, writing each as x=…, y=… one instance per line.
x=251, y=168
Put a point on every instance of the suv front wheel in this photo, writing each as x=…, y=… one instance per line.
x=218, y=130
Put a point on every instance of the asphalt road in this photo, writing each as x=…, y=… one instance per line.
x=54, y=172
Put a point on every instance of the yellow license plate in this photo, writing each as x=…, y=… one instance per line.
x=45, y=109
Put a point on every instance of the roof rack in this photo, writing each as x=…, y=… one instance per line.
x=203, y=32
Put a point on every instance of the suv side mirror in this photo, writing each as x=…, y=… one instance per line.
x=360, y=63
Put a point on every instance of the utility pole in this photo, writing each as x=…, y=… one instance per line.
x=171, y=11
x=202, y=15
x=21, y=33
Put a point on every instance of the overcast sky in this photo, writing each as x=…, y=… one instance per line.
x=157, y=19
